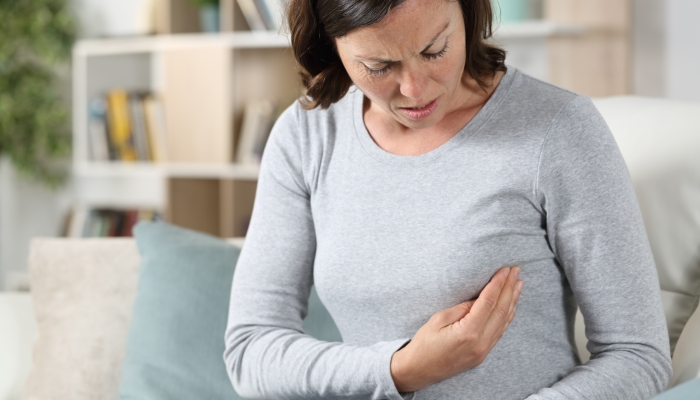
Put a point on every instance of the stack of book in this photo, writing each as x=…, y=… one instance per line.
x=263, y=15
x=106, y=222
x=127, y=126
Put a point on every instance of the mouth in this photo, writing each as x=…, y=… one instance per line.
x=420, y=112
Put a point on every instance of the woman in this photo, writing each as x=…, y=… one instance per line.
x=415, y=169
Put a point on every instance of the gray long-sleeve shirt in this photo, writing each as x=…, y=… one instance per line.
x=534, y=179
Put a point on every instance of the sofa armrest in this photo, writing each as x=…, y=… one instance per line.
x=686, y=357
x=17, y=333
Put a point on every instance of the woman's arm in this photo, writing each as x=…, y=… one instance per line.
x=595, y=229
x=267, y=354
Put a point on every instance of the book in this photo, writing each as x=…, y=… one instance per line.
x=120, y=124
x=154, y=117
x=278, y=13
x=252, y=15
x=139, y=132
x=264, y=133
x=98, y=137
x=78, y=220
x=265, y=13
x=257, y=121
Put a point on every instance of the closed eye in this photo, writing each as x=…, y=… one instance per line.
x=378, y=72
x=433, y=56
x=387, y=68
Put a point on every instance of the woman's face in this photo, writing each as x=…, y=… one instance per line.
x=410, y=63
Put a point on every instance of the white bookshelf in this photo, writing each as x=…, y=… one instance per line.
x=232, y=66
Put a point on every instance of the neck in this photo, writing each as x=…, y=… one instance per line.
x=396, y=138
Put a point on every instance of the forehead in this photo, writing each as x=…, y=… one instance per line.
x=411, y=24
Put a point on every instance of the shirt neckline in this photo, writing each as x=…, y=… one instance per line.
x=470, y=128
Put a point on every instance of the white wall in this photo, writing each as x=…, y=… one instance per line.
x=100, y=18
x=667, y=48
x=683, y=49
x=649, y=47
x=27, y=210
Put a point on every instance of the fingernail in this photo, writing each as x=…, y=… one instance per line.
x=519, y=286
x=517, y=271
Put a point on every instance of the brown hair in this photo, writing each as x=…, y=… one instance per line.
x=315, y=23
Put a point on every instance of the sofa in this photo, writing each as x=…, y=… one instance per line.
x=66, y=339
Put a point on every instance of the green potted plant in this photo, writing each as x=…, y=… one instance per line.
x=36, y=41
x=208, y=14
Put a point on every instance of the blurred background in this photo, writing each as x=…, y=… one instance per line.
x=112, y=112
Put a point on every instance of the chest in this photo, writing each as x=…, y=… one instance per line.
x=388, y=233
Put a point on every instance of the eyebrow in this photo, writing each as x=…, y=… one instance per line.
x=432, y=42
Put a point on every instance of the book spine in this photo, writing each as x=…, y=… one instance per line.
x=251, y=15
x=78, y=222
x=267, y=120
x=139, y=127
x=132, y=217
x=120, y=124
x=97, y=130
x=266, y=14
x=155, y=128
x=278, y=12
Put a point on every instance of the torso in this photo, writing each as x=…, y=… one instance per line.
x=399, y=238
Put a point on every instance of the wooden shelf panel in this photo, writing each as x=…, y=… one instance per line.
x=536, y=29
x=262, y=40
x=158, y=43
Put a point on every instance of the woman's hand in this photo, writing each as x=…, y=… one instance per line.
x=458, y=338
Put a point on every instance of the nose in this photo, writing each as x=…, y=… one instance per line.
x=413, y=81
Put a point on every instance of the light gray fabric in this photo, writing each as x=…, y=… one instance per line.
x=534, y=179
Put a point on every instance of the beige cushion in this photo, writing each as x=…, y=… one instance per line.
x=83, y=291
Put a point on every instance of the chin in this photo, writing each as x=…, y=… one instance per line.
x=421, y=124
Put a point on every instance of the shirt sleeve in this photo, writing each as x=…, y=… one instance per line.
x=595, y=230
x=267, y=354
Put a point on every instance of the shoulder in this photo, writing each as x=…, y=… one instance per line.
x=560, y=114
x=303, y=126
x=301, y=139
x=538, y=100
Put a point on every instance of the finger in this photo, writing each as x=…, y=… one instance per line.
x=451, y=315
x=501, y=313
x=518, y=290
x=487, y=300
x=511, y=317
x=514, y=304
